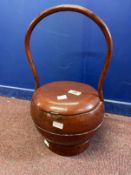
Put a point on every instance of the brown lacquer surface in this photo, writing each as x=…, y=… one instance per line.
x=46, y=98
x=68, y=124
x=83, y=11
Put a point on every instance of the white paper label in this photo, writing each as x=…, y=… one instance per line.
x=74, y=92
x=61, y=97
x=46, y=142
x=58, y=125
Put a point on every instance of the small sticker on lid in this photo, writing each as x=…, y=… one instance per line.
x=61, y=97
x=46, y=143
x=58, y=125
x=74, y=92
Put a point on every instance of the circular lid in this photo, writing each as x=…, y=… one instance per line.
x=66, y=98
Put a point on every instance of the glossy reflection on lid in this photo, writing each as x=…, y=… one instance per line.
x=46, y=98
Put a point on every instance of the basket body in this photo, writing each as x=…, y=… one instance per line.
x=67, y=131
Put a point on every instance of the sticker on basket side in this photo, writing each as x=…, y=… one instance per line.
x=58, y=125
x=74, y=92
x=46, y=143
x=61, y=97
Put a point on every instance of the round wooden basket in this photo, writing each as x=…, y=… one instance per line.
x=68, y=113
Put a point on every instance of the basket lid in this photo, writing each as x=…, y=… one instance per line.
x=66, y=98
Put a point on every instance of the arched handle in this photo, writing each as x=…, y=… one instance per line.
x=84, y=11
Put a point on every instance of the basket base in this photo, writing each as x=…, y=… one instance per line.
x=65, y=150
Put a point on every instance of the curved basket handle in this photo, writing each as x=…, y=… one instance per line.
x=84, y=11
